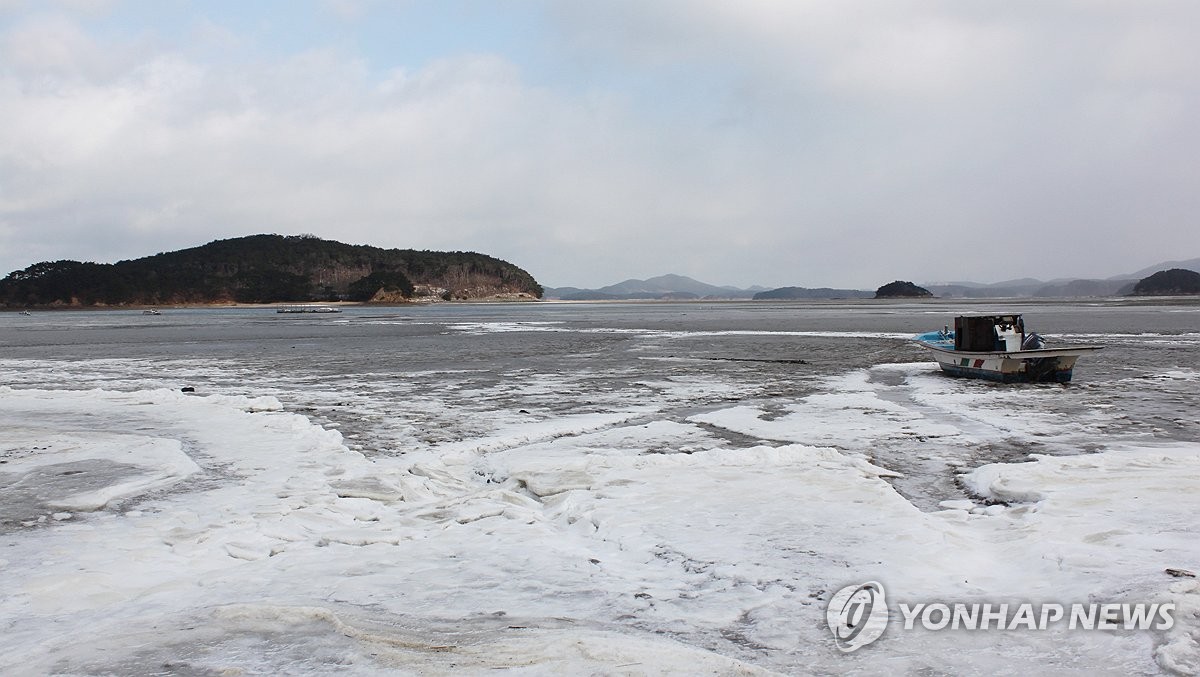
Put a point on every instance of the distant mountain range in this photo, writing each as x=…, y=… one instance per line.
x=786, y=293
x=1034, y=288
x=1189, y=264
x=1117, y=285
x=663, y=287
x=680, y=287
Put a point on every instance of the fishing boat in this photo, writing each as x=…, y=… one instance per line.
x=996, y=348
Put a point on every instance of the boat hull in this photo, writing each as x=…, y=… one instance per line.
x=1025, y=366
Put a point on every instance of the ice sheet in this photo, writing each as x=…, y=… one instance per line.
x=632, y=540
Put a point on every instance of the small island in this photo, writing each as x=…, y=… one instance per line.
x=902, y=290
x=1173, y=282
x=270, y=269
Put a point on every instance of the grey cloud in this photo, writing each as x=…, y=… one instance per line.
x=837, y=144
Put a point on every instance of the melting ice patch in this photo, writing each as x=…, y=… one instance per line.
x=850, y=413
x=79, y=472
x=505, y=327
x=552, y=326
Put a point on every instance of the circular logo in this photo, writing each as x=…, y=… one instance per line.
x=857, y=615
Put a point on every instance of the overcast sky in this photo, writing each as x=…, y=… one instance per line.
x=740, y=142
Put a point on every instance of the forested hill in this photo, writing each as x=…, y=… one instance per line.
x=1169, y=283
x=266, y=269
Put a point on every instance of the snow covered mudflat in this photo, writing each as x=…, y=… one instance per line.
x=570, y=495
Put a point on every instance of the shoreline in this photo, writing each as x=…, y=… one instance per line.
x=1178, y=300
x=278, y=304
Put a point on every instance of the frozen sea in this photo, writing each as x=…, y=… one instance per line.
x=584, y=489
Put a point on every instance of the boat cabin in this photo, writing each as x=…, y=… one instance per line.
x=985, y=333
